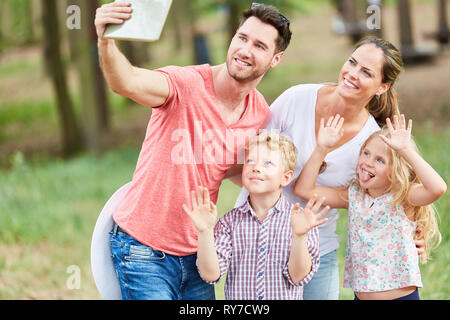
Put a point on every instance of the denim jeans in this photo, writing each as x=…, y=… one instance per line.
x=147, y=274
x=325, y=283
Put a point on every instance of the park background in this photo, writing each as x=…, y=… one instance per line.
x=67, y=142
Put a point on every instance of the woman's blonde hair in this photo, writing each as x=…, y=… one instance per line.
x=402, y=179
x=276, y=141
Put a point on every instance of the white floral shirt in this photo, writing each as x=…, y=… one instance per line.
x=381, y=254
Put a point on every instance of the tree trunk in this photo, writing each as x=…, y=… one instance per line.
x=5, y=23
x=175, y=16
x=30, y=34
x=36, y=14
x=404, y=15
x=95, y=111
x=69, y=130
x=72, y=40
x=235, y=10
x=351, y=19
x=199, y=46
x=443, y=31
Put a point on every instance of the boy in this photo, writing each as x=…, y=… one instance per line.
x=273, y=248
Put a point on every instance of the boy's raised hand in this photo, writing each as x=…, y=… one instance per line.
x=400, y=134
x=330, y=133
x=308, y=218
x=204, y=212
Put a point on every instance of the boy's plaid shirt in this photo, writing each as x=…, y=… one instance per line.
x=258, y=253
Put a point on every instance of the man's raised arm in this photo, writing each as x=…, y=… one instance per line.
x=144, y=86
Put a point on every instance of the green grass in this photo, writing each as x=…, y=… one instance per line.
x=25, y=112
x=20, y=67
x=53, y=200
x=48, y=211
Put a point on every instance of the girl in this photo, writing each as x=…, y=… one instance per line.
x=392, y=195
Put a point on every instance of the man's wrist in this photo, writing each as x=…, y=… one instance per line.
x=104, y=42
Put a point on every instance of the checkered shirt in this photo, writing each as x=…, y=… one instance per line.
x=258, y=253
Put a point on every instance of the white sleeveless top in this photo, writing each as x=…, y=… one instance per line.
x=381, y=254
x=293, y=115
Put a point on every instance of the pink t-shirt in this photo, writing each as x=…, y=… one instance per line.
x=187, y=144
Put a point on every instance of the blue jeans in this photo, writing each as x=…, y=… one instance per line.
x=147, y=274
x=325, y=283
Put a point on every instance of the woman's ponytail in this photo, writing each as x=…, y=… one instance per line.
x=384, y=106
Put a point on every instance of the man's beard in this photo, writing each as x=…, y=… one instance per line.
x=245, y=77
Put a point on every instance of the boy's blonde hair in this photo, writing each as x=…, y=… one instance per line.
x=276, y=141
x=402, y=179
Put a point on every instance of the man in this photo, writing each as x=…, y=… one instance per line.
x=202, y=116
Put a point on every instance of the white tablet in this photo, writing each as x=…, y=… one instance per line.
x=146, y=22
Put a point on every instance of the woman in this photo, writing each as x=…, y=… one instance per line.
x=364, y=96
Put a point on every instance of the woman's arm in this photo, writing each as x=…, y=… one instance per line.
x=305, y=186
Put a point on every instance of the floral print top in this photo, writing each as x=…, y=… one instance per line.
x=381, y=254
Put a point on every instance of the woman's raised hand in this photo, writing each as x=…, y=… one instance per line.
x=331, y=132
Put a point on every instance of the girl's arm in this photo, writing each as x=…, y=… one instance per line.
x=433, y=186
x=305, y=186
x=204, y=215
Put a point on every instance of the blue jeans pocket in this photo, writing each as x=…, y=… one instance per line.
x=143, y=253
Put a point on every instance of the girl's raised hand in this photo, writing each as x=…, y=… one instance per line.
x=330, y=133
x=204, y=212
x=400, y=134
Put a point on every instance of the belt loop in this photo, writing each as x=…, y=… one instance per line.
x=115, y=229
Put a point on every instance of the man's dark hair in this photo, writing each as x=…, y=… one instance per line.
x=270, y=15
